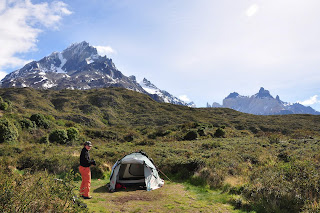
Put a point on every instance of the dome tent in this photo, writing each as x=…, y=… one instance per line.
x=135, y=168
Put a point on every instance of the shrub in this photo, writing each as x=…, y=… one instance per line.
x=201, y=131
x=191, y=135
x=59, y=136
x=285, y=187
x=214, y=177
x=72, y=133
x=4, y=105
x=8, y=131
x=44, y=140
x=129, y=137
x=40, y=120
x=27, y=124
x=219, y=133
x=38, y=193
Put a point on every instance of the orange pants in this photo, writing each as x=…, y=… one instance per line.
x=86, y=181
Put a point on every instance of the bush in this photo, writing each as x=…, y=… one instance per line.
x=59, y=136
x=214, y=177
x=4, y=105
x=8, y=131
x=72, y=133
x=44, y=140
x=284, y=187
x=40, y=120
x=38, y=193
x=27, y=124
x=219, y=133
x=191, y=135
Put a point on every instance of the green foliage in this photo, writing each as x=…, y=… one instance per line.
x=285, y=187
x=191, y=135
x=27, y=124
x=4, y=105
x=39, y=192
x=8, y=131
x=40, y=120
x=72, y=133
x=219, y=133
x=44, y=140
x=59, y=136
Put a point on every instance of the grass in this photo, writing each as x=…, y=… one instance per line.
x=172, y=197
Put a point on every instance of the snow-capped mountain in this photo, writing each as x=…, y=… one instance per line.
x=77, y=67
x=262, y=103
x=167, y=97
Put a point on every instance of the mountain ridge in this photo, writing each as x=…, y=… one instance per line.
x=80, y=67
x=263, y=103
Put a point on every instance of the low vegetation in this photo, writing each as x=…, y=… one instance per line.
x=260, y=163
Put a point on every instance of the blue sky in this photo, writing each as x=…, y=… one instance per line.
x=198, y=50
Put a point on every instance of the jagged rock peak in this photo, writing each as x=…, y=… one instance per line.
x=233, y=95
x=148, y=83
x=263, y=93
x=133, y=78
x=77, y=49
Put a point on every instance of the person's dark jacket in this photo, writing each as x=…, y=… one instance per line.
x=85, y=158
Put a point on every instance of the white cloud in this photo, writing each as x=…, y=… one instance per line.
x=184, y=98
x=312, y=100
x=21, y=22
x=252, y=10
x=104, y=50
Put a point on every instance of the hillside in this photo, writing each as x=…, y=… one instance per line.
x=108, y=107
x=256, y=163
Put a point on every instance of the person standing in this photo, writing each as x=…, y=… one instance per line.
x=84, y=169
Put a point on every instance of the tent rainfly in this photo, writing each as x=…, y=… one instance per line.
x=135, y=168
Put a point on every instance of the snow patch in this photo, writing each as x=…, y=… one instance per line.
x=63, y=62
x=92, y=58
x=48, y=85
x=150, y=90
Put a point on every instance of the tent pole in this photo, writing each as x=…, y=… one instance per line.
x=165, y=175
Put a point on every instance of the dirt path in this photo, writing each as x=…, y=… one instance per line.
x=171, y=198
